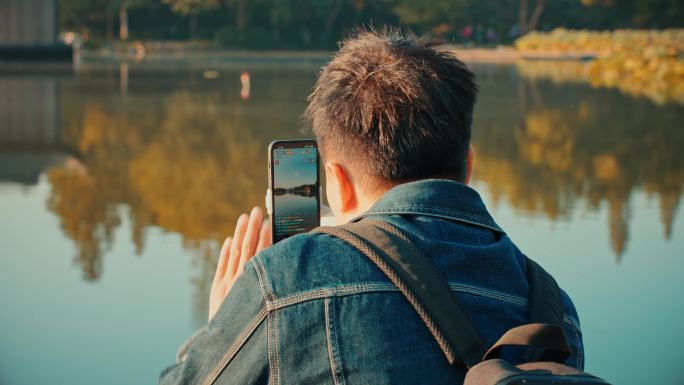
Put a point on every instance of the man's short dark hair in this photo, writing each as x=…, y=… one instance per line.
x=393, y=109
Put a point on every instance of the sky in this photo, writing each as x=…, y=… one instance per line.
x=294, y=170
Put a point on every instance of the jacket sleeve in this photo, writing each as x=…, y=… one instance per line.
x=573, y=332
x=233, y=347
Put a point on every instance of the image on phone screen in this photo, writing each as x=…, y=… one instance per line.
x=296, y=201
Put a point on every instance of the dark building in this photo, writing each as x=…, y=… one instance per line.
x=29, y=30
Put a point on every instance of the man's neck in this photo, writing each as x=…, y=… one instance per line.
x=364, y=202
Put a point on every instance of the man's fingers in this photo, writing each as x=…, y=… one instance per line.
x=249, y=245
x=236, y=246
x=223, y=259
x=256, y=217
x=264, y=236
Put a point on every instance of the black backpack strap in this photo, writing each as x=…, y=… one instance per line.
x=545, y=305
x=418, y=280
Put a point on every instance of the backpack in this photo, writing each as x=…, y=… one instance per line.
x=543, y=341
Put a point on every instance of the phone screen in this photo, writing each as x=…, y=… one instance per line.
x=295, y=188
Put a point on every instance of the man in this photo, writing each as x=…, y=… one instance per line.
x=392, y=117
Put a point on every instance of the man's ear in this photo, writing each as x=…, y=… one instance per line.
x=340, y=190
x=469, y=164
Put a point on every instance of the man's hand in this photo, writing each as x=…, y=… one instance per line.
x=252, y=234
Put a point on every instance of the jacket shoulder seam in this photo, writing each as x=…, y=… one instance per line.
x=235, y=347
x=264, y=282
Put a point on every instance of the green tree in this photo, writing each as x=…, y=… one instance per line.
x=528, y=22
x=191, y=8
x=123, y=6
x=427, y=15
x=81, y=14
x=240, y=9
x=321, y=23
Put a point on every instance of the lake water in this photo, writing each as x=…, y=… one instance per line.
x=294, y=214
x=117, y=181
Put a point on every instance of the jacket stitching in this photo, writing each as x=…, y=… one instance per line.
x=239, y=341
x=580, y=349
x=574, y=336
x=472, y=219
x=271, y=308
x=267, y=284
x=273, y=341
x=331, y=334
x=570, y=321
x=336, y=340
x=326, y=303
x=431, y=210
x=257, y=269
x=346, y=290
x=275, y=346
x=488, y=293
x=504, y=297
x=273, y=361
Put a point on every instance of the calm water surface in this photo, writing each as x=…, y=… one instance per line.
x=118, y=181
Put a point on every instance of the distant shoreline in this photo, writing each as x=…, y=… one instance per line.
x=506, y=54
x=183, y=53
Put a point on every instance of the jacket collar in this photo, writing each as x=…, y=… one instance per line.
x=438, y=198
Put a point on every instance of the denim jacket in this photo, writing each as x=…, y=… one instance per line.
x=313, y=310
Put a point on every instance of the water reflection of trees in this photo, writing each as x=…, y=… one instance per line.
x=557, y=146
x=188, y=161
x=652, y=78
x=189, y=158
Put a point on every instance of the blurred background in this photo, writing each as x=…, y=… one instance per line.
x=134, y=132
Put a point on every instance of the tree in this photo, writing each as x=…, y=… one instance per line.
x=240, y=13
x=123, y=6
x=429, y=14
x=530, y=24
x=191, y=8
x=80, y=14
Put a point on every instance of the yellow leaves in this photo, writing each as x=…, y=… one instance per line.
x=638, y=62
x=606, y=168
x=562, y=40
x=188, y=167
x=196, y=181
x=556, y=71
x=547, y=140
x=95, y=124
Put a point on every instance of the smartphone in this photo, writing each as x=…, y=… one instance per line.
x=293, y=198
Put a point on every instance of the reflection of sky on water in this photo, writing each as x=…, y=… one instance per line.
x=133, y=190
